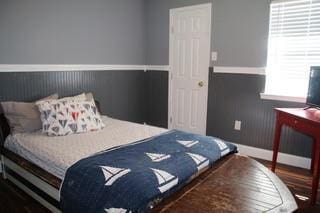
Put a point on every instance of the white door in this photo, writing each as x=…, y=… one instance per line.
x=189, y=66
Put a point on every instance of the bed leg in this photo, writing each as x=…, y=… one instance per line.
x=4, y=176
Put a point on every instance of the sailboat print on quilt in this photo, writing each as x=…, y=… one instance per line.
x=223, y=147
x=166, y=181
x=157, y=157
x=200, y=161
x=188, y=143
x=116, y=210
x=112, y=174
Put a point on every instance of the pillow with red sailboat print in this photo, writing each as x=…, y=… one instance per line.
x=65, y=117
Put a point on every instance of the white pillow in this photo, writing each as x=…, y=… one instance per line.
x=80, y=97
x=89, y=96
x=65, y=117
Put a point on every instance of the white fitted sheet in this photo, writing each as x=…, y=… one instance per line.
x=57, y=154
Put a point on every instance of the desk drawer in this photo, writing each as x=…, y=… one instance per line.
x=298, y=124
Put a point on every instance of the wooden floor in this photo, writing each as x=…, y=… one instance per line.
x=298, y=181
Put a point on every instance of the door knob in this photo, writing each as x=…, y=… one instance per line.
x=201, y=84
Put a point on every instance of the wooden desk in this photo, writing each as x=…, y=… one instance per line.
x=241, y=184
x=307, y=122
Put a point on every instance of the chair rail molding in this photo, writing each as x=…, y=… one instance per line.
x=67, y=67
x=240, y=70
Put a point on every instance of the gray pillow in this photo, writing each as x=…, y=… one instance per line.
x=24, y=117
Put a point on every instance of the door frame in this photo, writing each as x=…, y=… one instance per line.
x=172, y=13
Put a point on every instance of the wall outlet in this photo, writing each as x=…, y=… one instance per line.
x=237, y=125
x=214, y=56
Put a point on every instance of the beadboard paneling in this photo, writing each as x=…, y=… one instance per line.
x=120, y=93
x=157, y=95
x=233, y=97
x=143, y=97
x=237, y=97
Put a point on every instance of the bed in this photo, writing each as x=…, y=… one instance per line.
x=41, y=165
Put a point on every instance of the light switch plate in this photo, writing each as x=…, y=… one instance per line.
x=237, y=125
x=214, y=56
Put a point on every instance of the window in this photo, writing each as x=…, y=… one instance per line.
x=294, y=46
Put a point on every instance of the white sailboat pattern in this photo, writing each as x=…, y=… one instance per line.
x=188, y=143
x=117, y=210
x=223, y=147
x=157, y=157
x=201, y=161
x=112, y=174
x=166, y=181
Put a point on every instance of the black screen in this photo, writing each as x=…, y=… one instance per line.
x=313, y=98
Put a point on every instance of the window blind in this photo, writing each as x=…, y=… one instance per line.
x=294, y=46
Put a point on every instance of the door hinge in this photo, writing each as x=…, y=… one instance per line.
x=170, y=119
x=171, y=76
x=172, y=29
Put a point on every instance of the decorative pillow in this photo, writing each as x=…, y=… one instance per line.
x=24, y=117
x=61, y=117
x=89, y=96
x=80, y=97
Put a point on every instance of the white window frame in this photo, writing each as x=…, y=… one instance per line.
x=267, y=96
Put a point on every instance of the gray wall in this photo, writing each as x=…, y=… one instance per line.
x=72, y=32
x=239, y=30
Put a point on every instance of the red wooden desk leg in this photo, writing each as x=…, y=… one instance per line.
x=313, y=154
x=276, y=143
x=315, y=179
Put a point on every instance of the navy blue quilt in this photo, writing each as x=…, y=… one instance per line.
x=135, y=177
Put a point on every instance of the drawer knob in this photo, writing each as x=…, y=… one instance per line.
x=295, y=122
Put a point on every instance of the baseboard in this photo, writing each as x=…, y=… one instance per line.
x=283, y=158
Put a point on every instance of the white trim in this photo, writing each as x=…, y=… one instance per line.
x=283, y=158
x=33, y=195
x=283, y=98
x=280, y=1
x=170, y=65
x=78, y=67
x=157, y=68
x=66, y=67
x=45, y=187
x=240, y=70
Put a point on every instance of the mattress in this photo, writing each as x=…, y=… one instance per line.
x=57, y=154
